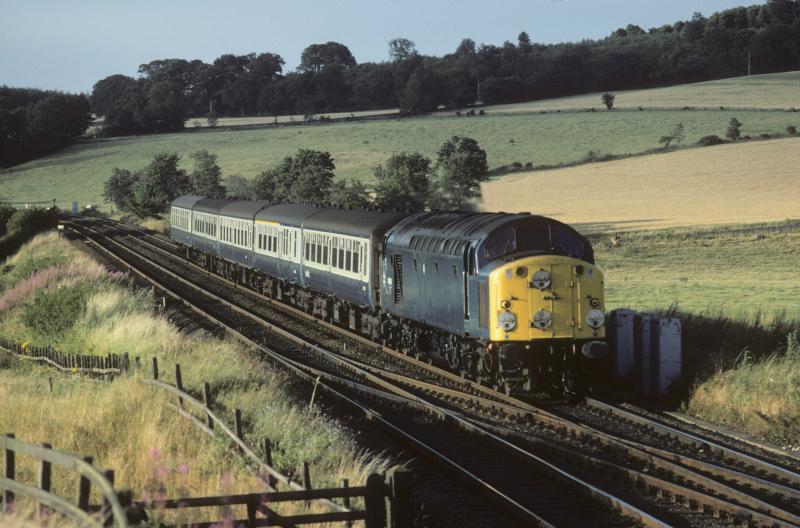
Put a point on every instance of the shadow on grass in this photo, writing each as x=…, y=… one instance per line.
x=715, y=342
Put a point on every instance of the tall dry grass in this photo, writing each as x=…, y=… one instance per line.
x=129, y=427
x=761, y=397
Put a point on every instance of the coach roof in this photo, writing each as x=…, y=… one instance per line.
x=354, y=222
x=245, y=209
x=210, y=205
x=186, y=201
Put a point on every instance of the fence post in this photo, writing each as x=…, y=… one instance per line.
x=84, y=488
x=106, y=511
x=346, y=500
x=399, y=486
x=45, y=477
x=237, y=419
x=126, y=362
x=179, y=382
x=207, y=402
x=155, y=368
x=8, y=496
x=374, y=502
x=271, y=481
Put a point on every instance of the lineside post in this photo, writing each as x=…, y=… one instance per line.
x=8, y=496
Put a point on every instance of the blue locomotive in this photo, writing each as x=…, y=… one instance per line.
x=513, y=300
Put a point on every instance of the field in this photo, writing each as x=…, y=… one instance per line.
x=774, y=90
x=741, y=271
x=195, y=122
x=78, y=172
x=724, y=184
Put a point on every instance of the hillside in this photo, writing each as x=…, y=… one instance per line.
x=734, y=183
x=78, y=172
x=773, y=90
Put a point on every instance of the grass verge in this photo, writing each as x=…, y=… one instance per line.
x=129, y=427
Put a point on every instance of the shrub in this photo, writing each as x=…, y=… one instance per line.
x=528, y=165
x=31, y=220
x=52, y=312
x=6, y=211
x=734, y=129
x=791, y=129
x=707, y=141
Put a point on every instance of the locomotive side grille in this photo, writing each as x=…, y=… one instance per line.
x=398, y=279
x=483, y=305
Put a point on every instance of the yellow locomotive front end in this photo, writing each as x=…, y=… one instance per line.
x=546, y=319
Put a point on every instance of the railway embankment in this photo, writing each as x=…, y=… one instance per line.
x=53, y=293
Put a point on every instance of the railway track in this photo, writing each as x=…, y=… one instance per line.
x=677, y=486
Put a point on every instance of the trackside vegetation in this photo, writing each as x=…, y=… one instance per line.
x=128, y=426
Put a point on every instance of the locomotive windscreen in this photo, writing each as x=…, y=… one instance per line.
x=538, y=236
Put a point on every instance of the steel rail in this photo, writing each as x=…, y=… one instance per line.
x=591, y=490
x=523, y=409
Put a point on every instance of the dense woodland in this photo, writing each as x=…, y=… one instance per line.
x=329, y=79
x=35, y=122
x=168, y=91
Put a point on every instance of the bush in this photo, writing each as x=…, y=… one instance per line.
x=29, y=221
x=707, y=141
x=792, y=130
x=52, y=312
x=6, y=211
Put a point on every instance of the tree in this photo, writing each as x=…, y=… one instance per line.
x=401, y=49
x=734, y=129
x=305, y=177
x=118, y=189
x=403, y=182
x=421, y=91
x=206, y=175
x=608, y=100
x=317, y=57
x=676, y=135
x=524, y=42
x=159, y=184
x=240, y=187
x=350, y=196
x=461, y=166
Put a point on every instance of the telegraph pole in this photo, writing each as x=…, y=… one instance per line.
x=748, y=62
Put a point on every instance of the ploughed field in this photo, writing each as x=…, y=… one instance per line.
x=509, y=134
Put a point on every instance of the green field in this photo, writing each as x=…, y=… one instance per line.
x=739, y=271
x=78, y=172
x=774, y=90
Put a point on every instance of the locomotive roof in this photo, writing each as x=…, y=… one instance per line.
x=448, y=233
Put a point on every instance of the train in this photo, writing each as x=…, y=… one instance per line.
x=514, y=301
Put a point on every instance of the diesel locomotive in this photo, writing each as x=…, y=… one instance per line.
x=512, y=300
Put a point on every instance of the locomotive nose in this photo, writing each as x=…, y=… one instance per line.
x=594, y=350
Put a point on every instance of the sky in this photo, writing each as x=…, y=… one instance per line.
x=70, y=44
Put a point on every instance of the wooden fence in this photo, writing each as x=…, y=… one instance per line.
x=108, y=365
x=113, y=512
x=387, y=500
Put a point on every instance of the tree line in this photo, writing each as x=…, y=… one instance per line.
x=35, y=122
x=328, y=79
x=405, y=182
